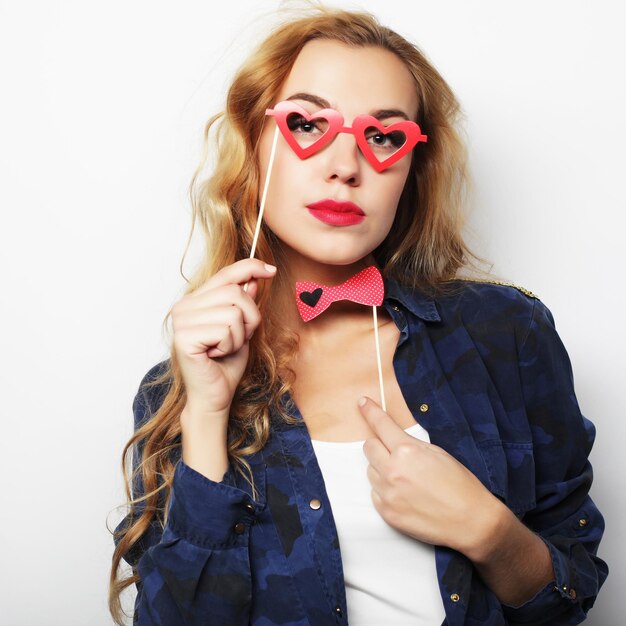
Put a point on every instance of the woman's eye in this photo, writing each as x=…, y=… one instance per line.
x=392, y=141
x=299, y=124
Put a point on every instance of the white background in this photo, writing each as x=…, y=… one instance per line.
x=101, y=112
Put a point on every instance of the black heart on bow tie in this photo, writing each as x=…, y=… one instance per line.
x=311, y=297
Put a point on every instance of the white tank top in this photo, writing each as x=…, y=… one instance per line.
x=390, y=577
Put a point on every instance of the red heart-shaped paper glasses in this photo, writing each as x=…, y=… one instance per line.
x=308, y=133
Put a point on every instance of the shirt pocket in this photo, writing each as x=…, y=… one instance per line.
x=511, y=468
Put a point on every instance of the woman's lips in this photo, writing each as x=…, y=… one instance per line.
x=336, y=213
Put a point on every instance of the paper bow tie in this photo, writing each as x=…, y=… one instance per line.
x=366, y=287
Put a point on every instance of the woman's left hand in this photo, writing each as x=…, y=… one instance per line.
x=422, y=491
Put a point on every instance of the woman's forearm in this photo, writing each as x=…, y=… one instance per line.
x=204, y=443
x=512, y=560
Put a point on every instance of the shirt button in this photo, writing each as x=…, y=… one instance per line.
x=455, y=597
x=315, y=504
x=582, y=522
x=338, y=610
x=395, y=307
x=423, y=408
x=249, y=508
x=240, y=528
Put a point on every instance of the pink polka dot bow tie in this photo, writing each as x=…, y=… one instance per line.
x=366, y=287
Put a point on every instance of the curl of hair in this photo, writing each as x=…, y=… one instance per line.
x=424, y=249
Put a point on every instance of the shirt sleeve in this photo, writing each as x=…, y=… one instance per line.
x=195, y=569
x=565, y=517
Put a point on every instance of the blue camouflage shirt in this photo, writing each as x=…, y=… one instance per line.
x=484, y=372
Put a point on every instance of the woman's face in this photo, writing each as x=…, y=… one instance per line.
x=353, y=81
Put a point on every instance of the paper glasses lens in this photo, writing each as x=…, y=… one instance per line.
x=383, y=145
x=304, y=131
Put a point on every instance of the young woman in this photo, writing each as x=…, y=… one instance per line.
x=269, y=485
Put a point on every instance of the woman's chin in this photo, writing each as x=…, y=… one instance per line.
x=357, y=261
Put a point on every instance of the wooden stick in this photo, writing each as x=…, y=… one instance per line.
x=383, y=404
x=263, y=197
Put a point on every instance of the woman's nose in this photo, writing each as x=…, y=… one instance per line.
x=343, y=159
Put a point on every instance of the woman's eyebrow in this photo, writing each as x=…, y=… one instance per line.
x=385, y=113
x=309, y=97
x=381, y=114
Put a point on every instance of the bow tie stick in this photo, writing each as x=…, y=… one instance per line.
x=365, y=287
x=383, y=404
x=263, y=197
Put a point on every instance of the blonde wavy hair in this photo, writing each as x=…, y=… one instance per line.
x=424, y=249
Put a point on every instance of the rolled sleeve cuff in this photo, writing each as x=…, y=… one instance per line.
x=207, y=513
x=557, y=603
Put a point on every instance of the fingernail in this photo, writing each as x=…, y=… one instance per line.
x=362, y=401
x=270, y=268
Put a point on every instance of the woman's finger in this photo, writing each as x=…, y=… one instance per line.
x=375, y=478
x=229, y=296
x=382, y=424
x=376, y=453
x=229, y=316
x=196, y=341
x=238, y=273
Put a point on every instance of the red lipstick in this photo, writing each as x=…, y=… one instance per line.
x=336, y=213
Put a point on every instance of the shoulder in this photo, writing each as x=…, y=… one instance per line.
x=494, y=286
x=155, y=373
x=480, y=303
x=491, y=308
x=491, y=298
x=152, y=390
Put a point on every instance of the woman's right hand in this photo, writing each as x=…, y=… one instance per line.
x=212, y=327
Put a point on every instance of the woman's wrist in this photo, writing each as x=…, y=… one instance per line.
x=490, y=529
x=192, y=418
x=513, y=561
x=204, y=443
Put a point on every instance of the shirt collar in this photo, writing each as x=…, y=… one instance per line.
x=417, y=302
